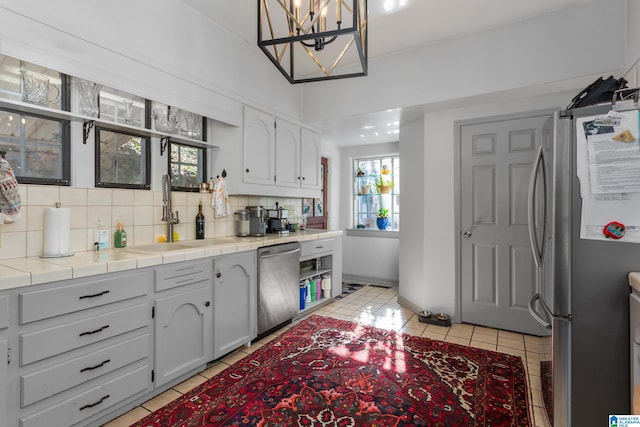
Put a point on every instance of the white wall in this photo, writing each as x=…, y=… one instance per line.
x=365, y=257
x=584, y=40
x=432, y=285
x=412, y=232
x=165, y=51
x=633, y=43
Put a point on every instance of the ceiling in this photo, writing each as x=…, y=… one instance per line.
x=394, y=26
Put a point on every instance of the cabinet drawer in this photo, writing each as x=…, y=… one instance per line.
x=311, y=248
x=38, y=305
x=183, y=274
x=47, y=382
x=90, y=402
x=45, y=343
x=4, y=311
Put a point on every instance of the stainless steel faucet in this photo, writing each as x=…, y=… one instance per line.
x=167, y=213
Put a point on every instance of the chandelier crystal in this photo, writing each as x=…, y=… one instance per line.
x=304, y=41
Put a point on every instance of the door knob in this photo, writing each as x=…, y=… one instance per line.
x=467, y=234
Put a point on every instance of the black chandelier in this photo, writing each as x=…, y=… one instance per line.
x=306, y=46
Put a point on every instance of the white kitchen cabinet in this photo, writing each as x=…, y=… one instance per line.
x=235, y=304
x=310, y=157
x=322, y=259
x=183, y=319
x=287, y=154
x=277, y=158
x=82, y=349
x=259, y=147
x=4, y=369
x=297, y=157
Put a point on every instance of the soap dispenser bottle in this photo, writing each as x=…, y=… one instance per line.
x=120, y=236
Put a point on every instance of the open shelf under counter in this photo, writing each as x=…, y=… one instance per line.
x=313, y=273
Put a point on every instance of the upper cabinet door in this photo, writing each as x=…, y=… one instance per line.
x=287, y=154
x=310, y=159
x=259, y=147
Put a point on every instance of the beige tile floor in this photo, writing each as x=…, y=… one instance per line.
x=377, y=306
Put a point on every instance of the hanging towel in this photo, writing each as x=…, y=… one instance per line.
x=220, y=201
x=9, y=194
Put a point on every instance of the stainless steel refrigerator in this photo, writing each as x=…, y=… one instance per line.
x=583, y=291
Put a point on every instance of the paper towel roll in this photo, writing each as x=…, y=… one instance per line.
x=56, y=232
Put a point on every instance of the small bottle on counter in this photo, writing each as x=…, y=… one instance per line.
x=120, y=237
x=102, y=236
x=200, y=222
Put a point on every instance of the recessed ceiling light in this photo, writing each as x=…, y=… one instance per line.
x=367, y=127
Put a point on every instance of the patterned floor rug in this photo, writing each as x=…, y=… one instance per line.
x=328, y=372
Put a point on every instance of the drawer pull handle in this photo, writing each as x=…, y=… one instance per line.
x=319, y=247
x=91, y=405
x=95, y=331
x=94, y=295
x=99, y=365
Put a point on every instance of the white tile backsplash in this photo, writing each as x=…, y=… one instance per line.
x=140, y=210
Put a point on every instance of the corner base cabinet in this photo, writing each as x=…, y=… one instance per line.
x=183, y=319
x=235, y=306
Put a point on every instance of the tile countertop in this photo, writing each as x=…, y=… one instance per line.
x=18, y=272
x=634, y=281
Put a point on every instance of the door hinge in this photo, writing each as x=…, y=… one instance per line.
x=153, y=375
x=9, y=356
x=153, y=312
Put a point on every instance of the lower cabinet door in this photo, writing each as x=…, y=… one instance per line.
x=4, y=348
x=234, y=295
x=183, y=329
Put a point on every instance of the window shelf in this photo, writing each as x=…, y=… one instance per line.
x=25, y=107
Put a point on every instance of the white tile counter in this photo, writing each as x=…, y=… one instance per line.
x=18, y=272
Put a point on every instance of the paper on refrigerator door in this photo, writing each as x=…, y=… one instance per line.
x=609, y=174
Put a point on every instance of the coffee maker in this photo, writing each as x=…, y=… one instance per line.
x=278, y=220
x=257, y=223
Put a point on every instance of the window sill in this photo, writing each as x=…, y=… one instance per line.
x=371, y=232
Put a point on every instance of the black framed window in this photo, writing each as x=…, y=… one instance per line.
x=123, y=160
x=187, y=166
x=36, y=147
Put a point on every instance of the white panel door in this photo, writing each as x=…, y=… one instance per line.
x=497, y=271
x=259, y=147
x=287, y=154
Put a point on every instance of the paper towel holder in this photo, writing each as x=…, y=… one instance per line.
x=58, y=205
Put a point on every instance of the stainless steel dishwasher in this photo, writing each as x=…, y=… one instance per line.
x=278, y=285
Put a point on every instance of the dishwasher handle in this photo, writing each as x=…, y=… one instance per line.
x=271, y=255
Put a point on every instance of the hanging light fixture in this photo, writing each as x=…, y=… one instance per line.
x=306, y=45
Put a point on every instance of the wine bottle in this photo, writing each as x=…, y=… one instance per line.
x=200, y=223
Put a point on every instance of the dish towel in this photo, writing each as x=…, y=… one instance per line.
x=220, y=201
x=9, y=194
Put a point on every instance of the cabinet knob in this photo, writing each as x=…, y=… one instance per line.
x=219, y=275
x=247, y=170
x=298, y=177
x=303, y=178
x=207, y=304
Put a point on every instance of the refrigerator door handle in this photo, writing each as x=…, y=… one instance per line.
x=544, y=322
x=538, y=251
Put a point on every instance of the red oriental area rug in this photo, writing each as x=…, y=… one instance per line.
x=328, y=372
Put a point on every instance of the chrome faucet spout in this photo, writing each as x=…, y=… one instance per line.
x=167, y=214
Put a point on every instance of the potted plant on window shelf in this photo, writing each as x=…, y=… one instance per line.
x=384, y=186
x=382, y=220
